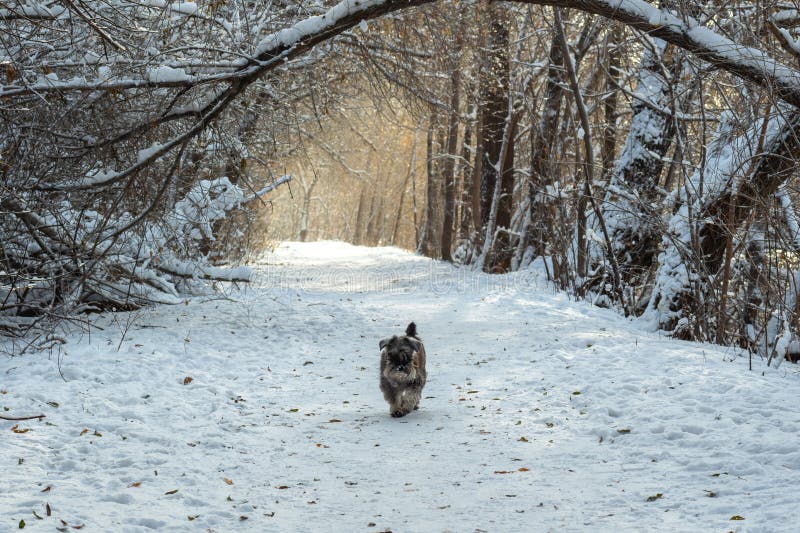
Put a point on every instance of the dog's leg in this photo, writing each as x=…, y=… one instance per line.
x=394, y=398
x=397, y=407
x=415, y=396
x=405, y=402
x=387, y=390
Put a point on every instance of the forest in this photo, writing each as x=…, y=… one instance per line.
x=644, y=153
x=399, y=265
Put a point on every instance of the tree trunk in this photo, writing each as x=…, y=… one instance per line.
x=613, y=55
x=448, y=170
x=427, y=243
x=360, y=225
x=632, y=206
x=409, y=177
x=308, y=190
x=477, y=172
x=465, y=223
x=496, y=165
x=543, y=138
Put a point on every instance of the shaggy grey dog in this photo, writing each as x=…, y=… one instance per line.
x=403, y=372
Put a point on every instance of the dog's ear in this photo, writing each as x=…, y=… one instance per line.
x=411, y=330
x=386, y=341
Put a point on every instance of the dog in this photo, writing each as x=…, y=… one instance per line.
x=403, y=373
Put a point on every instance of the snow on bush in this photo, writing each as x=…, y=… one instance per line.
x=97, y=263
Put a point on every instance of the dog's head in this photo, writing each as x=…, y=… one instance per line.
x=401, y=353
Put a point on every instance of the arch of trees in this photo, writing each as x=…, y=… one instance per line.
x=130, y=133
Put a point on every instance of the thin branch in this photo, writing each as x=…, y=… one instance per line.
x=18, y=418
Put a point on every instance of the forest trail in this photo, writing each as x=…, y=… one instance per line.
x=540, y=413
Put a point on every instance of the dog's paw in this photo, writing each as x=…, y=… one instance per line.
x=399, y=413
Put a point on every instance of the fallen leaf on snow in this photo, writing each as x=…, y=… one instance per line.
x=737, y=517
x=187, y=380
x=16, y=429
x=135, y=484
x=228, y=481
x=654, y=498
x=170, y=492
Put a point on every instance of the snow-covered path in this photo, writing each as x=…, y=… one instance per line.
x=540, y=414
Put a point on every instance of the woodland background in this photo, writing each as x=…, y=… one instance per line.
x=644, y=153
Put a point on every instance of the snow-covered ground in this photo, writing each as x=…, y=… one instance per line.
x=540, y=414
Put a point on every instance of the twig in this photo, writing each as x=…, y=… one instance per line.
x=16, y=418
x=106, y=37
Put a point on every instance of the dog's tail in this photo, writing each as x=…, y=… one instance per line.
x=411, y=331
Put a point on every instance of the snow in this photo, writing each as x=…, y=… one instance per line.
x=164, y=73
x=540, y=413
x=313, y=25
x=98, y=177
x=286, y=178
x=150, y=151
x=726, y=156
x=184, y=8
